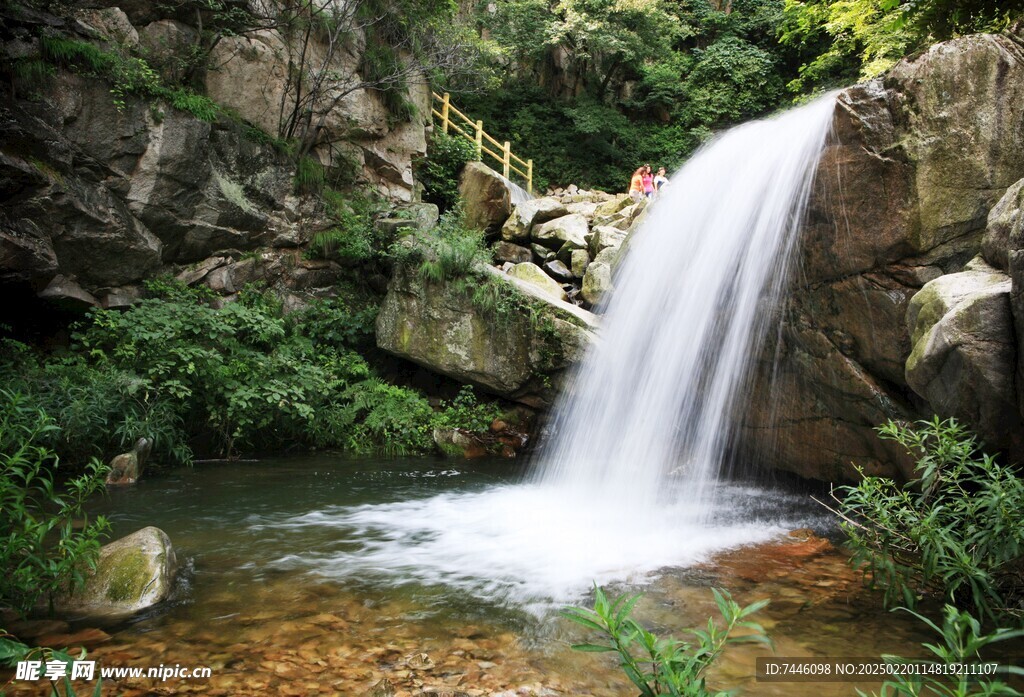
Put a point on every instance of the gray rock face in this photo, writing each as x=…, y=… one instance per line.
x=964, y=352
x=597, y=282
x=132, y=574
x=1005, y=222
x=438, y=327
x=152, y=194
x=902, y=196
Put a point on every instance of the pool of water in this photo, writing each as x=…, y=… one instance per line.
x=325, y=575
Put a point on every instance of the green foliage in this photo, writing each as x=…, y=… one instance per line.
x=666, y=666
x=962, y=642
x=310, y=176
x=467, y=413
x=635, y=82
x=454, y=251
x=956, y=532
x=100, y=409
x=869, y=36
x=439, y=170
x=129, y=75
x=354, y=240
x=731, y=79
x=42, y=550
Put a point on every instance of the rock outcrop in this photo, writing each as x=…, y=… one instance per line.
x=519, y=356
x=132, y=574
x=99, y=196
x=904, y=189
x=964, y=352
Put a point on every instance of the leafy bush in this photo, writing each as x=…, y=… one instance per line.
x=13, y=651
x=439, y=170
x=666, y=666
x=354, y=240
x=466, y=412
x=962, y=642
x=42, y=550
x=956, y=532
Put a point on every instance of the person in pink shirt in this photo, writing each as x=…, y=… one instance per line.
x=648, y=179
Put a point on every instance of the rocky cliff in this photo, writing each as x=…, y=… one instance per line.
x=886, y=318
x=103, y=190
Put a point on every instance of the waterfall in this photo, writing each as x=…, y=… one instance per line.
x=627, y=486
x=653, y=400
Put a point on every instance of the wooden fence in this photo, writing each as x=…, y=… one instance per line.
x=451, y=118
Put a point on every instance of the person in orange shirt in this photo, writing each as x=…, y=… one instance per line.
x=636, y=184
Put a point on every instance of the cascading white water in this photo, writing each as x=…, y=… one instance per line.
x=692, y=299
x=651, y=400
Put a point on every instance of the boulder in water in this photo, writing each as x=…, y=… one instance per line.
x=126, y=468
x=132, y=574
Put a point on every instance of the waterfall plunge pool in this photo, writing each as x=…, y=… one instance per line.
x=323, y=575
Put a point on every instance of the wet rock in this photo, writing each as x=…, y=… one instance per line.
x=132, y=574
x=126, y=468
x=596, y=282
x=558, y=271
x=383, y=688
x=579, y=260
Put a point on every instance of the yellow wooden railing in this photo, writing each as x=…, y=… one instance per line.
x=444, y=111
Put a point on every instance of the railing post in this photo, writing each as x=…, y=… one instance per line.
x=480, y=141
x=445, y=105
x=529, y=177
x=505, y=161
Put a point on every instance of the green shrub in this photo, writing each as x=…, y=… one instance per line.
x=666, y=666
x=439, y=170
x=47, y=542
x=467, y=413
x=962, y=642
x=956, y=532
x=454, y=250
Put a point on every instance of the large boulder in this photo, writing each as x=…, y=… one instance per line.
x=132, y=574
x=1005, y=223
x=486, y=197
x=568, y=230
x=535, y=276
x=964, y=352
x=519, y=356
x=530, y=213
x=917, y=161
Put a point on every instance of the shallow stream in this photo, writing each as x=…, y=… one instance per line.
x=325, y=575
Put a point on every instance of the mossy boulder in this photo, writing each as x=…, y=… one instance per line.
x=132, y=574
x=535, y=276
x=518, y=352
